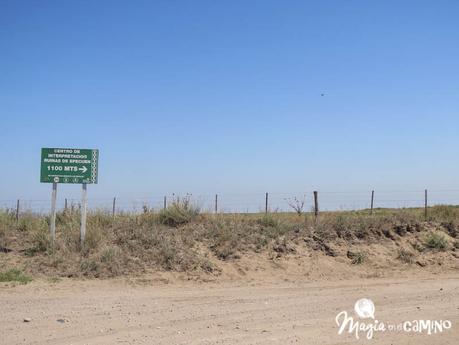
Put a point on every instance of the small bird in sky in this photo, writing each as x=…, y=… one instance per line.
x=322, y=94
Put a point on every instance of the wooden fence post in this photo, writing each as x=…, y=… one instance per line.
x=17, y=211
x=114, y=207
x=316, y=204
x=165, y=202
x=372, y=198
x=266, y=203
x=65, y=205
x=216, y=203
x=425, y=204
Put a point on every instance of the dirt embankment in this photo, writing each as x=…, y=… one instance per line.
x=208, y=247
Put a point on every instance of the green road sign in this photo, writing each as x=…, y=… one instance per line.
x=69, y=165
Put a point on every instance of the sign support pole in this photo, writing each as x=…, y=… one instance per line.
x=52, y=225
x=83, y=214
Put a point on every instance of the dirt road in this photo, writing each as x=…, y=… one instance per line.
x=119, y=312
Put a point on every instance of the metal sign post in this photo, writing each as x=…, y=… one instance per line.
x=52, y=223
x=60, y=165
x=83, y=214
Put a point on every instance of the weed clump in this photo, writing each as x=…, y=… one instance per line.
x=14, y=275
x=357, y=258
x=179, y=212
x=405, y=256
x=269, y=220
x=436, y=241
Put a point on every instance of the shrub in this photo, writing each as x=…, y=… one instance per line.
x=269, y=220
x=297, y=204
x=180, y=211
x=436, y=241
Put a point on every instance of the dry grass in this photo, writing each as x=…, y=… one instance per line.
x=357, y=258
x=406, y=256
x=179, y=212
x=180, y=239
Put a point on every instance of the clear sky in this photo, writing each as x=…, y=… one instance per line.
x=232, y=96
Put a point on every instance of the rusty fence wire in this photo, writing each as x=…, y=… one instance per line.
x=249, y=202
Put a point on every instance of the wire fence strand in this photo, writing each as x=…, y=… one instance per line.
x=250, y=202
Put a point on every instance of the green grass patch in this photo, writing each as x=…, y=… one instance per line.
x=14, y=275
x=436, y=241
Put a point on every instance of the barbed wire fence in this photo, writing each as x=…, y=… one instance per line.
x=249, y=202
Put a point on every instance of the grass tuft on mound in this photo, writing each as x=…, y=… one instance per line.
x=14, y=275
x=436, y=241
x=179, y=212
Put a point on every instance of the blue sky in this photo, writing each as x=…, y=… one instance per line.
x=225, y=96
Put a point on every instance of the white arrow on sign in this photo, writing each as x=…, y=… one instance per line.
x=83, y=169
